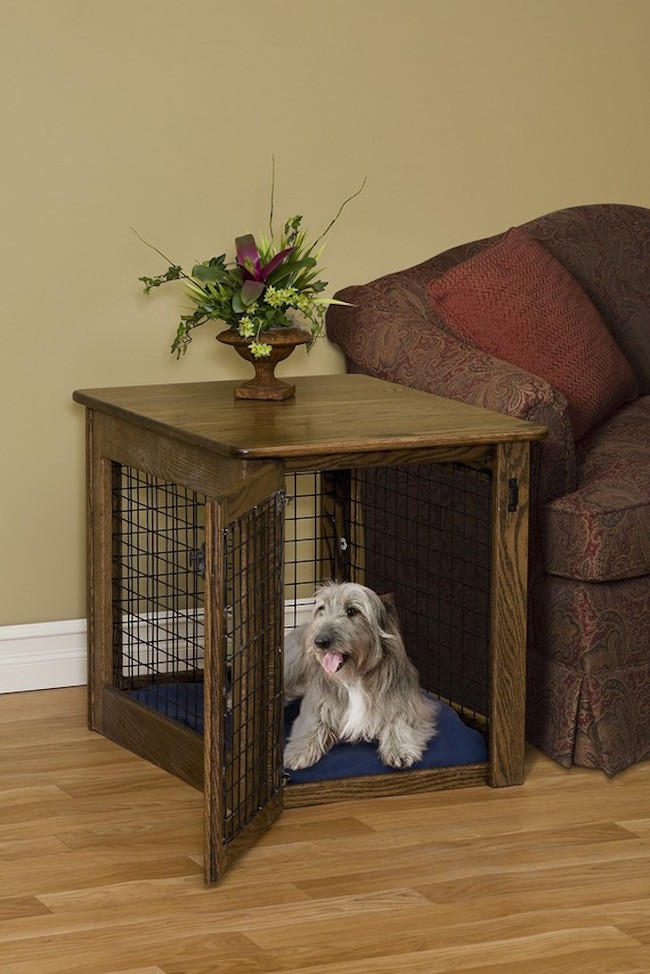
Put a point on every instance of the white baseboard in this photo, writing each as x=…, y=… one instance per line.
x=48, y=655
x=43, y=655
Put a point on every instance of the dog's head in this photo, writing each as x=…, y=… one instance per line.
x=352, y=629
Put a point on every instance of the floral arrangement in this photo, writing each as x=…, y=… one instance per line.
x=269, y=285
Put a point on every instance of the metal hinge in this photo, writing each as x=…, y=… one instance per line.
x=196, y=559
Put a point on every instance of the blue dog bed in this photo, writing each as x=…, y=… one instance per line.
x=454, y=744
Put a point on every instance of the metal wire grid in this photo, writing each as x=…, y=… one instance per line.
x=158, y=593
x=306, y=561
x=253, y=717
x=426, y=537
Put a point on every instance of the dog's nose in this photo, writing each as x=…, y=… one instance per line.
x=323, y=642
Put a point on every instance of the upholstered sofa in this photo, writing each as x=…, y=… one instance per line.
x=445, y=326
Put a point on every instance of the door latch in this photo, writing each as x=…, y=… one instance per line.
x=513, y=494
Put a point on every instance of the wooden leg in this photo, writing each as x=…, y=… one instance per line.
x=214, y=683
x=508, y=613
x=100, y=569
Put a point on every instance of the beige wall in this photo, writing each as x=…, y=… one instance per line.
x=467, y=115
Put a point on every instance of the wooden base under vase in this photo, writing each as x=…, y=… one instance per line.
x=265, y=384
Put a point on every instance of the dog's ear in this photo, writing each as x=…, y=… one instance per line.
x=392, y=644
x=390, y=618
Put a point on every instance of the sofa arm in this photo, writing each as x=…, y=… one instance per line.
x=413, y=350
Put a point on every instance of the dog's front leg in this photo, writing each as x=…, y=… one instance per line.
x=398, y=746
x=311, y=737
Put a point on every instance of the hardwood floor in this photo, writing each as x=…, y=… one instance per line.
x=100, y=870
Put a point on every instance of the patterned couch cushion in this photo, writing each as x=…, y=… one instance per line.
x=517, y=302
x=606, y=247
x=601, y=531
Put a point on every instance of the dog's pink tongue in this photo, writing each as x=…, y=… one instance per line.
x=332, y=661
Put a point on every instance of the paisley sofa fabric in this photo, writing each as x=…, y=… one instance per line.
x=601, y=531
x=588, y=697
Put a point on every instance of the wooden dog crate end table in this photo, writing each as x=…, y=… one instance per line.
x=190, y=480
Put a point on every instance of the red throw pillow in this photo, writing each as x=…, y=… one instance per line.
x=517, y=302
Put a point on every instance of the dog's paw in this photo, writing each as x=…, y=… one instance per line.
x=302, y=756
x=399, y=757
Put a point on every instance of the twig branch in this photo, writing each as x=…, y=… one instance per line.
x=164, y=256
x=341, y=208
x=272, y=195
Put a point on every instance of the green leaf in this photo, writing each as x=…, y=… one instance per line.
x=328, y=301
x=208, y=274
x=284, y=271
x=173, y=273
x=246, y=296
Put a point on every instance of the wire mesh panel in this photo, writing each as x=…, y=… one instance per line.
x=304, y=559
x=427, y=539
x=158, y=593
x=254, y=631
x=319, y=534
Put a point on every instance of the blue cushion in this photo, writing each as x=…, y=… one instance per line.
x=181, y=702
x=454, y=744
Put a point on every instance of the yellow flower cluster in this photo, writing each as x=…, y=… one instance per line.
x=303, y=303
x=276, y=297
x=260, y=349
x=246, y=327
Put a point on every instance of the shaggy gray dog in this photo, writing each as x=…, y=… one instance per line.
x=350, y=667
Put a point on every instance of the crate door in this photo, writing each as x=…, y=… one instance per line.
x=243, y=666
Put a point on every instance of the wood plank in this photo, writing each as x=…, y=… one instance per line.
x=12, y=907
x=167, y=457
x=140, y=970
x=379, y=786
x=59, y=704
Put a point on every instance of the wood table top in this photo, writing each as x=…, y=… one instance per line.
x=329, y=414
